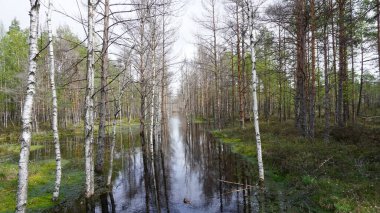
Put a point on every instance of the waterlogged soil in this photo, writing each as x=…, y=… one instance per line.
x=188, y=171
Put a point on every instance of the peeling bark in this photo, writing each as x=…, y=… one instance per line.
x=26, y=135
x=54, y=123
x=254, y=94
x=89, y=105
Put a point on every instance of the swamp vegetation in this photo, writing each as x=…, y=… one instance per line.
x=245, y=106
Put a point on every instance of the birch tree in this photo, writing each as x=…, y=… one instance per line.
x=103, y=91
x=89, y=105
x=251, y=14
x=54, y=122
x=26, y=134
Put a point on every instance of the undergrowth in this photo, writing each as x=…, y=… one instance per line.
x=340, y=176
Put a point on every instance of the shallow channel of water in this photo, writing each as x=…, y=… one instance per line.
x=191, y=172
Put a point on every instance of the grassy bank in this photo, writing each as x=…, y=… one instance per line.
x=11, y=135
x=340, y=176
x=41, y=184
x=41, y=172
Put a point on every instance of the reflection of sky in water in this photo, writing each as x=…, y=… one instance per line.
x=193, y=164
x=184, y=182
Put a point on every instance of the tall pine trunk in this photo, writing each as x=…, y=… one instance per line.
x=300, y=98
x=342, y=103
x=327, y=85
x=312, y=94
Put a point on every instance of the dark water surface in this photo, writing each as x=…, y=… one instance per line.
x=185, y=175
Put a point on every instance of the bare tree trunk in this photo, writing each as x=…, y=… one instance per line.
x=341, y=99
x=327, y=85
x=352, y=64
x=254, y=86
x=240, y=90
x=300, y=98
x=216, y=68
x=334, y=60
x=103, y=93
x=89, y=105
x=378, y=31
x=54, y=123
x=112, y=150
x=361, y=77
x=163, y=74
x=312, y=95
x=26, y=135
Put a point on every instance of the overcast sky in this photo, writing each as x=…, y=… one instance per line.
x=19, y=9
x=184, y=20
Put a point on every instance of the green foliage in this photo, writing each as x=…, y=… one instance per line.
x=14, y=53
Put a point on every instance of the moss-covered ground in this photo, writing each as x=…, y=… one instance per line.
x=41, y=173
x=340, y=176
x=41, y=184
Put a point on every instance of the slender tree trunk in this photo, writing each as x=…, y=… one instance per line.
x=342, y=90
x=239, y=69
x=216, y=69
x=312, y=95
x=54, y=108
x=378, y=31
x=163, y=77
x=300, y=98
x=103, y=92
x=112, y=148
x=280, y=75
x=327, y=85
x=352, y=63
x=254, y=95
x=233, y=85
x=361, y=78
x=152, y=106
x=334, y=61
x=26, y=134
x=89, y=105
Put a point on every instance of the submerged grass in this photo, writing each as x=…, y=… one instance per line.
x=340, y=176
x=42, y=172
x=13, y=149
x=41, y=185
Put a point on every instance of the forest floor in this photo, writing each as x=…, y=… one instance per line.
x=340, y=176
x=41, y=172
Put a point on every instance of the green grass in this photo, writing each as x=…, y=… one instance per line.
x=14, y=149
x=41, y=173
x=340, y=176
x=199, y=120
x=12, y=134
x=41, y=184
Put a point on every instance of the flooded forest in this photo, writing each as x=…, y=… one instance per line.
x=189, y=106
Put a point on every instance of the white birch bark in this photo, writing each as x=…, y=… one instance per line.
x=54, y=123
x=152, y=107
x=26, y=135
x=89, y=105
x=254, y=88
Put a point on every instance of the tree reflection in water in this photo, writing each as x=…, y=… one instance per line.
x=188, y=165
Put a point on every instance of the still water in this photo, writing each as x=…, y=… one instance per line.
x=191, y=172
